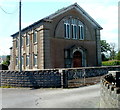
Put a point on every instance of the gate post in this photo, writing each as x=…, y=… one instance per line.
x=65, y=79
x=117, y=79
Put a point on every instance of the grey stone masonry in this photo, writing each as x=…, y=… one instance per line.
x=110, y=94
x=52, y=77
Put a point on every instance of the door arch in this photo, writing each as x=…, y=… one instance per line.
x=77, y=59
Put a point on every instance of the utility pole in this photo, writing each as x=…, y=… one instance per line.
x=20, y=40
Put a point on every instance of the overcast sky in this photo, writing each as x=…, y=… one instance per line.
x=105, y=12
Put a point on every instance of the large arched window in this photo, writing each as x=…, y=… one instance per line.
x=80, y=30
x=67, y=29
x=73, y=28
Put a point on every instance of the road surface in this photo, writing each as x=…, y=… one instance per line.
x=83, y=97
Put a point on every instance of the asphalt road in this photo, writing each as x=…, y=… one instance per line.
x=83, y=97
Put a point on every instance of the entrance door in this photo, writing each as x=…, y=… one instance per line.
x=77, y=59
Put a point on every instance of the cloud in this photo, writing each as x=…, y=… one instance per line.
x=107, y=17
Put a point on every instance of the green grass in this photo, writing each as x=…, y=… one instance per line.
x=111, y=63
x=6, y=87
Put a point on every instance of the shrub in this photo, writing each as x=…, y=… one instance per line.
x=111, y=63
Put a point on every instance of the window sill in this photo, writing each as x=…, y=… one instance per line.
x=35, y=43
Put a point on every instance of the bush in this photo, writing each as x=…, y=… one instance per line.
x=118, y=56
x=111, y=63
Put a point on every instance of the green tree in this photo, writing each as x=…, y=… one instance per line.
x=105, y=47
x=112, y=51
x=118, y=55
x=7, y=61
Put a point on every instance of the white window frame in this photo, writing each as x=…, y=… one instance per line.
x=16, y=43
x=16, y=61
x=28, y=39
x=23, y=60
x=22, y=41
x=67, y=30
x=27, y=60
x=74, y=34
x=35, y=60
x=35, y=37
x=76, y=29
x=81, y=32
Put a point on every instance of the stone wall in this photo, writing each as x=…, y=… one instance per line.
x=110, y=95
x=51, y=78
x=73, y=73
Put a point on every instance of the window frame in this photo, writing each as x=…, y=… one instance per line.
x=27, y=39
x=27, y=60
x=22, y=60
x=35, y=37
x=81, y=32
x=22, y=41
x=17, y=43
x=67, y=30
x=74, y=31
x=16, y=61
x=35, y=60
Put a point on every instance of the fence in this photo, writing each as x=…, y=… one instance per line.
x=70, y=77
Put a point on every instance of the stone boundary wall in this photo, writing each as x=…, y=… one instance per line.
x=73, y=73
x=109, y=95
x=51, y=78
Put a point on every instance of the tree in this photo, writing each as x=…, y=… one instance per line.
x=105, y=47
x=112, y=51
x=7, y=61
x=118, y=55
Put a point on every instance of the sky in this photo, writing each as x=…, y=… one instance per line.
x=105, y=12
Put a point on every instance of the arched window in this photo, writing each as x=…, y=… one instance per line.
x=67, y=29
x=80, y=30
x=73, y=28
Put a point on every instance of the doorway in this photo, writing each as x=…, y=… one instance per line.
x=77, y=59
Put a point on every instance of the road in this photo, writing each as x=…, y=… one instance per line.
x=83, y=97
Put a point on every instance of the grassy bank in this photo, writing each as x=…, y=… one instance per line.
x=111, y=63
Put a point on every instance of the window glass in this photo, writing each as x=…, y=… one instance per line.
x=35, y=37
x=81, y=32
x=75, y=31
x=22, y=60
x=16, y=43
x=27, y=60
x=73, y=28
x=67, y=30
x=22, y=41
x=27, y=39
x=35, y=60
x=17, y=61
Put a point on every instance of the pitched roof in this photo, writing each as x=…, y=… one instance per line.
x=63, y=10
x=78, y=8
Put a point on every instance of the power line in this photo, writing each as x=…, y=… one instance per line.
x=8, y=12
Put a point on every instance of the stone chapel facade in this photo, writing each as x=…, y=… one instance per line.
x=67, y=38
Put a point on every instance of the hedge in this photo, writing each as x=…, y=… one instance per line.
x=111, y=63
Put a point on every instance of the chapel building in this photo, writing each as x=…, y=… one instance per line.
x=67, y=38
